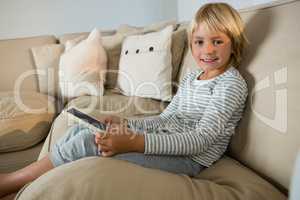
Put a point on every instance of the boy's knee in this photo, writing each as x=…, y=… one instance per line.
x=78, y=128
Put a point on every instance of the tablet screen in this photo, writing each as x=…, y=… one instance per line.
x=90, y=120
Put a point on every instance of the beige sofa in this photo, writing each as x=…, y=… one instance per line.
x=260, y=158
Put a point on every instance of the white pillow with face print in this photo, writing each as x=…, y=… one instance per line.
x=146, y=65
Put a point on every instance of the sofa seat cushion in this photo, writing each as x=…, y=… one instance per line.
x=25, y=120
x=107, y=178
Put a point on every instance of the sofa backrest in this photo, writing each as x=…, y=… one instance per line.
x=268, y=137
x=16, y=62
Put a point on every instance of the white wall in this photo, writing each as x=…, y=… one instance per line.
x=22, y=18
x=187, y=8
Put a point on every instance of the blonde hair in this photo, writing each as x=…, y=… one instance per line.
x=221, y=17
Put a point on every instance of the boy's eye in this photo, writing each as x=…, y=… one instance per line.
x=217, y=42
x=198, y=42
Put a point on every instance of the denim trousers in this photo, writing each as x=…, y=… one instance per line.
x=79, y=142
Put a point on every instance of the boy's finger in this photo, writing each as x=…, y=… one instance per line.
x=107, y=153
x=103, y=148
x=104, y=136
x=107, y=120
x=102, y=142
x=97, y=135
x=98, y=141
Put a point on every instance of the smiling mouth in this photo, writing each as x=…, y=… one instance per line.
x=209, y=60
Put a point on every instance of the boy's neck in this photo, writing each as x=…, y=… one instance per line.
x=209, y=74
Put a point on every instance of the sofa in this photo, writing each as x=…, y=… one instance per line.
x=260, y=158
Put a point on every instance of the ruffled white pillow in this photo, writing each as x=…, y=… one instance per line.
x=82, y=68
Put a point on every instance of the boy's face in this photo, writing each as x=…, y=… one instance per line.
x=210, y=49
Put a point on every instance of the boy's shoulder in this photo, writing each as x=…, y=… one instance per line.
x=190, y=75
x=232, y=78
x=233, y=75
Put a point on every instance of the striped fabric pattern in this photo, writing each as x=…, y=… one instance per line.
x=200, y=119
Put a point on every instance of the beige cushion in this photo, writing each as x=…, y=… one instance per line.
x=25, y=120
x=268, y=138
x=145, y=68
x=46, y=59
x=82, y=68
x=226, y=179
x=107, y=178
x=179, y=44
x=17, y=64
x=188, y=64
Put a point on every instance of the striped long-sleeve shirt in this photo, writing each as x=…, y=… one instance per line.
x=200, y=119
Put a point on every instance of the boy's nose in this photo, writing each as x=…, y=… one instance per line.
x=209, y=49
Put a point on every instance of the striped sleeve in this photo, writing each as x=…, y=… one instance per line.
x=154, y=122
x=228, y=97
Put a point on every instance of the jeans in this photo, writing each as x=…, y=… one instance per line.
x=79, y=142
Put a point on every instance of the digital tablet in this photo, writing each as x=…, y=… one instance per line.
x=87, y=120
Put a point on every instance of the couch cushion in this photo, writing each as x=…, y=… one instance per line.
x=46, y=59
x=179, y=44
x=16, y=62
x=107, y=178
x=268, y=138
x=25, y=120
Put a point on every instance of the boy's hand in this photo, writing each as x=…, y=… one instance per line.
x=118, y=139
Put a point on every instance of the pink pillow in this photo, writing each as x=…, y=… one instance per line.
x=82, y=68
